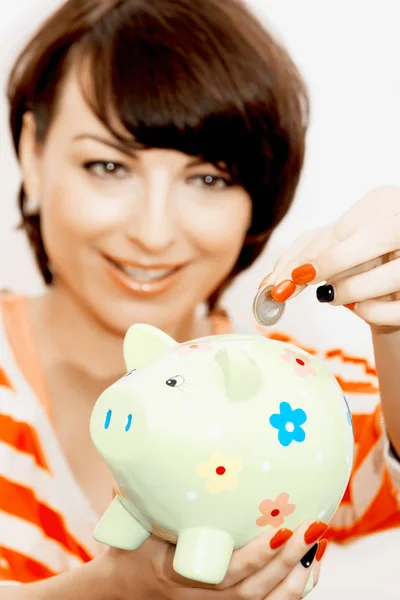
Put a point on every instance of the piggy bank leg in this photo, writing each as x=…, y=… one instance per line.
x=117, y=528
x=203, y=554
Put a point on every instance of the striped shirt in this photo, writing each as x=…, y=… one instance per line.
x=46, y=522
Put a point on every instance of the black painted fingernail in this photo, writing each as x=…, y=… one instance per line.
x=325, y=293
x=308, y=558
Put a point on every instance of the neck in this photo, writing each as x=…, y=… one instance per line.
x=69, y=334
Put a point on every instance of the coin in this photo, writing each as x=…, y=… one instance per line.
x=266, y=310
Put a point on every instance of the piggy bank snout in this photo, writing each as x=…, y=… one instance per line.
x=112, y=419
x=117, y=420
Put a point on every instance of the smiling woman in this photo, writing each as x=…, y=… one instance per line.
x=161, y=143
x=244, y=124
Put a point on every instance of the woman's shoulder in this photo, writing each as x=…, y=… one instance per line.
x=11, y=310
x=20, y=376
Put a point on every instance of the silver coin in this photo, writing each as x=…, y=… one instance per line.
x=266, y=310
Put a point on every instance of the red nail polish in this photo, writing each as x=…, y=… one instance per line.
x=304, y=274
x=315, y=531
x=280, y=538
x=322, y=545
x=350, y=306
x=283, y=290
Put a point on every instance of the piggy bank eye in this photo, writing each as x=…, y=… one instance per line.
x=175, y=381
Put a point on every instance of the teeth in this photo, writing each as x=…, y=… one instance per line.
x=145, y=275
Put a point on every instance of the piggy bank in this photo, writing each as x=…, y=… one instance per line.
x=214, y=441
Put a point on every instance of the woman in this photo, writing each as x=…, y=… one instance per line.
x=160, y=144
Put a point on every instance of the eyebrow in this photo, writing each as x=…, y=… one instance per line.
x=107, y=142
x=197, y=160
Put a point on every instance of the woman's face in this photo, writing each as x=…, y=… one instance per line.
x=137, y=237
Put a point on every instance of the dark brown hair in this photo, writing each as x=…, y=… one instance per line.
x=199, y=76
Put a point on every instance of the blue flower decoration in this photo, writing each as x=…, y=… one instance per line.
x=288, y=423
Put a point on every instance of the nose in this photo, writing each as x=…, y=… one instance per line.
x=153, y=226
x=108, y=417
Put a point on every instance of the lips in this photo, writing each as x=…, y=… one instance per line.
x=139, y=279
x=144, y=275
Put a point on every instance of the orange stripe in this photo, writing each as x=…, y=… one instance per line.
x=22, y=569
x=367, y=435
x=4, y=380
x=21, y=502
x=357, y=387
x=282, y=337
x=22, y=437
x=354, y=387
x=383, y=513
x=346, y=358
x=359, y=420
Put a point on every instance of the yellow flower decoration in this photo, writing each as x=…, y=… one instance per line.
x=220, y=472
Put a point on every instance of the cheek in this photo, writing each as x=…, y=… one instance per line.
x=72, y=210
x=220, y=227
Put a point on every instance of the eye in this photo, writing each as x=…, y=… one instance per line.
x=215, y=182
x=176, y=381
x=106, y=169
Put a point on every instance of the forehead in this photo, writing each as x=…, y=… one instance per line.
x=74, y=114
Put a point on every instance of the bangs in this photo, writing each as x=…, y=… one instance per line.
x=181, y=83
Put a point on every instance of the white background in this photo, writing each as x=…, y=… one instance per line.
x=349, y=53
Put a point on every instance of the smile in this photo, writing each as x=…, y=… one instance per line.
x=145, y=275
x=142, y=280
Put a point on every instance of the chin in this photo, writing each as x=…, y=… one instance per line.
x=119, y=315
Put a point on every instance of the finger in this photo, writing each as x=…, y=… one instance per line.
x=285, y=286
x=309, y=244
x=363, y=246
x=303, y=258
x=381, y=312
x=298, y=584
x=383, y=196
x=294, y=250
x=294, y=585
x=255, y=555
x=335, y=256
x=378, y=282
x=292, y=553
x=299, y=245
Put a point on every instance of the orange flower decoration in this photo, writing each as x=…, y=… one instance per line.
x=300, y=363
x=274, y=511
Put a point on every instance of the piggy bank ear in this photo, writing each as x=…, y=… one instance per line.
x=145, y=343
x=243, y=377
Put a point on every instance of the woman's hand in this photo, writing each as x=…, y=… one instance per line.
x=271, y=567
x=278, y=565
x=358, y=257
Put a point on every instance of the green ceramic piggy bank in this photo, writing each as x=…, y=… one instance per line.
x=214, y=441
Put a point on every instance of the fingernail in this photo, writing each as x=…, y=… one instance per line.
x=280, y=538
x=308, y=558
x=322, y=544
x=283, y=290
x=304, y=274
x=350, y=306
x=325, y=293
x=315, y=531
